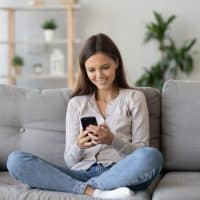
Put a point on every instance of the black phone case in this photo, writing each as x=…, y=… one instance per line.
x=86, y=121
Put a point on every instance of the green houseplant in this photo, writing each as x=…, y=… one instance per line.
x=17, y=63
x=49, y=26
x=172, y=58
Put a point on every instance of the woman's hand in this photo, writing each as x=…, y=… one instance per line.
x=84, y=141
x=100, y=134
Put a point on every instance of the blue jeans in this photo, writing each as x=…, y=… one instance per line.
x=137, y=171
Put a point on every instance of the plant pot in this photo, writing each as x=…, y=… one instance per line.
x=49, y=35
x=17, y=70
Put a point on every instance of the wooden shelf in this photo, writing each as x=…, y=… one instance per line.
x=70, y=40
x=41, y=8
x=77, y=41
x=41, y=76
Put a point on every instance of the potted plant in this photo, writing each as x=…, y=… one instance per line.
x=17, y=63
x=49, y=27
x=172, y=58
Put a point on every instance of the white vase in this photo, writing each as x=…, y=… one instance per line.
x=48, y=35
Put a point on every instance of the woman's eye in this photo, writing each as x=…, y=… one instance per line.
x=102, y=68
x=90, y=70
x=106, y=67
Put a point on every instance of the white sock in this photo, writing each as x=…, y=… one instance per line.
x=121, y=192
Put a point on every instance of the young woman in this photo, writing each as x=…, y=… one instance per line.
x=108, y=160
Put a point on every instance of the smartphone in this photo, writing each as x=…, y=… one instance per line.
x=86, y=121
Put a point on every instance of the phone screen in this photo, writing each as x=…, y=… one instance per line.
x=86, y=121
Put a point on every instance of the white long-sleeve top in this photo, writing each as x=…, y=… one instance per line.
x=128, y=119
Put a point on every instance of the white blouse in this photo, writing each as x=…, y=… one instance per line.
x=128, y=119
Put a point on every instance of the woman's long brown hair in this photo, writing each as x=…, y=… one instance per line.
x=99, y=43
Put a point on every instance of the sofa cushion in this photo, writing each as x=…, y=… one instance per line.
x=178, y=186
x=33, y=121
x=180, y=125
x=12, y=189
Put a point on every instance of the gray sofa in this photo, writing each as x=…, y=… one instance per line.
x=34, y=121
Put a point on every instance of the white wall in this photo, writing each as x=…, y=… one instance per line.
x=124, y=21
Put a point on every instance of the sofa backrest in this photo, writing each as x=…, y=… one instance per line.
x=34, y=121
x=180, y=125
x=153, y=99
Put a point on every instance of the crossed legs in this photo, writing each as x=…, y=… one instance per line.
x=137, y=168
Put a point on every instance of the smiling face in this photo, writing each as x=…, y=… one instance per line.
x=101, y=71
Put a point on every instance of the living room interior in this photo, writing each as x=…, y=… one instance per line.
x=159, y=42
x=23, y=35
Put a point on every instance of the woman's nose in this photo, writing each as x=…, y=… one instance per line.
x=99, y=74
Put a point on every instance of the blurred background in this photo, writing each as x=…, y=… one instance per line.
x=125, y=21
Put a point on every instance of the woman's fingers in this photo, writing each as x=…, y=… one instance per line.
x=84, y=140
x=94, y=138
x=94, y=135
x=84, y=134
x=88, y=143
